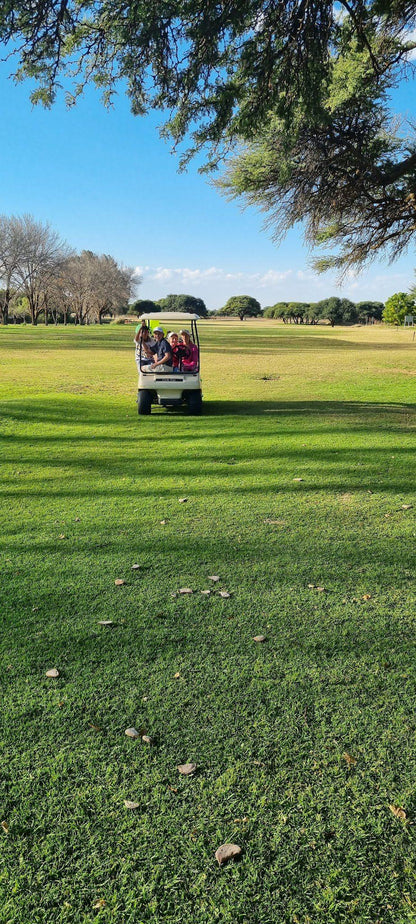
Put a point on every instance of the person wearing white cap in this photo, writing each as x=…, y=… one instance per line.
x=162, y=351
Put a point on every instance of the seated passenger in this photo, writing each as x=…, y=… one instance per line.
x=144, y=344
x=162, y=353
x=190, y=358
x=178, y=351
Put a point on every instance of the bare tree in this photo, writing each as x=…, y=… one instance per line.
x=32, y=254
x=112, y=286
x=95, y=285
x=75, y=290
x=11, y=254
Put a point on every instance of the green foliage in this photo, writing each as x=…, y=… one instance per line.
x=337, y=310
x=280, y=310
x=143, y=305
x=307, y=90
x=183, y=303
x=368, y=310
x=297, y=311
x=241, y=306
x=397, y=307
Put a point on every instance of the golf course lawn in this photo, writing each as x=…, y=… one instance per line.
x=298, y=490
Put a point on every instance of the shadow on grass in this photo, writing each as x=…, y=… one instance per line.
x=243, y=448
x=79, y=410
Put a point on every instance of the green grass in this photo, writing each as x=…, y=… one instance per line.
x=267, y=724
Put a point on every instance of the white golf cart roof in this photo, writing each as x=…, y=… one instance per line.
x=169, y=316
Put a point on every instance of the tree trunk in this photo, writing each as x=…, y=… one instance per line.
x=5, y=308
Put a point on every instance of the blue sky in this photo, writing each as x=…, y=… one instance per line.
x=106, y=182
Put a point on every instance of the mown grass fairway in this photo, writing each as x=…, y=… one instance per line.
x=303, y=742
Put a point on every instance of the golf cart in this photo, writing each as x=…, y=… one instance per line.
x=169, y=389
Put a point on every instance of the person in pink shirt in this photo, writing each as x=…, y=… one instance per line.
x=190, y=358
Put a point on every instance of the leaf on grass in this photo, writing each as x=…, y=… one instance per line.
x=321, y=589
x=95, y=727
x=227, y=852
x=351, y=761
x=77, y=519
x=147, y=739
x=131, y=805
x=398, y=811
x=213, y=577
x=100, y=903
x=241, y=821
x=105, y=622
x=274, y=522
x=62, y=536
x=259, y=638
x=311, y=586
x=5, y=827
x=224, y=594
x=183, y=500
x=366, y=596
x=185, y=590
x=132, y=732
x=407, y=506
x=52, y=672
x=206, y=593
x=177, y=675
x=119, y=581
x=187, y=769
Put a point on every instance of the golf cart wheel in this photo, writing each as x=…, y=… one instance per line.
x=144, y=402
x=194, y=402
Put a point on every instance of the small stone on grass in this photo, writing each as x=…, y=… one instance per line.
x=187, y=769
x=132, y=732
x=227, y=852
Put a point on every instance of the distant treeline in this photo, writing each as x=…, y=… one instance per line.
x=340, y=311
x=335, y=310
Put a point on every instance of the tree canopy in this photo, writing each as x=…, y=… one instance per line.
x=183, y=303
x=397, y=307
x=306, y=84
x=240, y=306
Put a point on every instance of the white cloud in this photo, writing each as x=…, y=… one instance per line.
x=215, y=284
x=187, y=275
